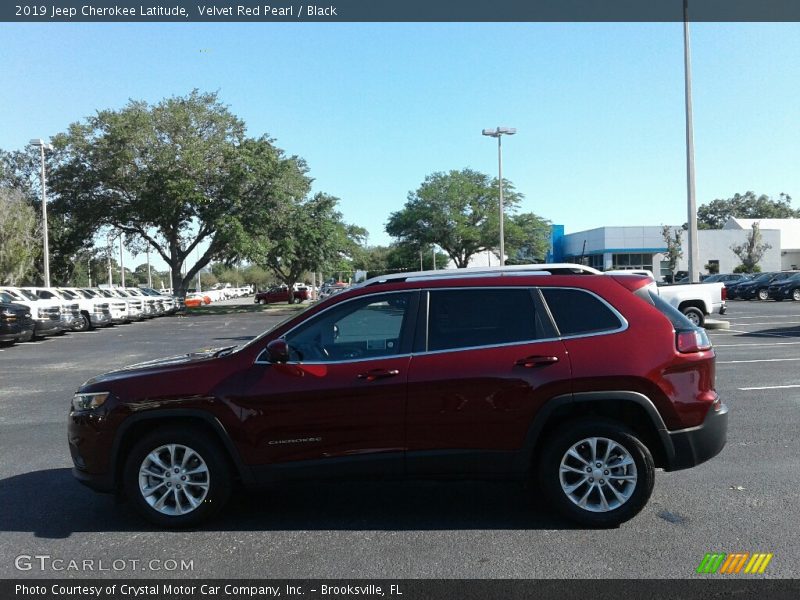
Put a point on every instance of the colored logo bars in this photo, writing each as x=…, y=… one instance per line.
x=742, y=562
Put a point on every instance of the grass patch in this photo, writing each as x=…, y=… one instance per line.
x=232, y=309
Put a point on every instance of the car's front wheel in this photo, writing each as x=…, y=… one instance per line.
x=597, y=472
x=796, y=294
x=763, y=294
x=177, y=478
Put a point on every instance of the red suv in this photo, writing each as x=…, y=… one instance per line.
x=584, y=383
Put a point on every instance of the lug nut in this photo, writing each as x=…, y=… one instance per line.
x=599, y=465
x=183, y=478
x=591, y=480
x=605, y=472
x=177, y=470
x=601, y=481
x=178, y=486
x=588, y=469
x=169, y=484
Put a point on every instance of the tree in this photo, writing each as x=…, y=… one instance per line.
x=744, y=206
x=751, y=251
x=305, y=235
x=175, y=174
x=673, y=239
x=527, y=239
x=456, y=210
x=20, y=238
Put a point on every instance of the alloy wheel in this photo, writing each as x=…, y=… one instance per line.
x=598, y=474
x=174, y=479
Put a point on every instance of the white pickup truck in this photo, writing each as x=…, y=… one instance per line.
x=695, y=300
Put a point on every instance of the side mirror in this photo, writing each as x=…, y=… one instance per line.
x=278, y=351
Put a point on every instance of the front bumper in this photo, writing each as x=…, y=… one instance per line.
x=100, y=319
x=698, y=444
x=47, y=327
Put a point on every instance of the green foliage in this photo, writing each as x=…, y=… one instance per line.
x=712, y=268
x=527, y=239
x=303, y=235
x=20, y=239
x=673, y=238
x=744, y=206
x=173, y=174
x=458, y=210
x=752, y=250
x=743, y=269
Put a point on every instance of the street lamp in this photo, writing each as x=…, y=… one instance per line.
x=43, y=146
x=498, y=133
x=694, y=249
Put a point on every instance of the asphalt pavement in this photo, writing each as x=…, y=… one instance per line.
x=745, y=500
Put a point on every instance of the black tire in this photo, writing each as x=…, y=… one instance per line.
x=763, y=294
x=695, y=315
x=218, y=468
x=86, y=323
x=27, y=337
x=571, y=434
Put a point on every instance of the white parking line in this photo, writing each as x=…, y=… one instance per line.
x=762, y=317
x=770, y=344
x=776, y=323
x=757, y=360
x=771, y=387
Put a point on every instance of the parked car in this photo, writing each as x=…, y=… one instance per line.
x=695, y=300
x=46, y=314
x=281, y=294
x=119, y=309
x=583, y=383
x=94, y=311
x=16, y=324
x=733, y=286
x=758, y=287
x=785, y=289
x=72, y=308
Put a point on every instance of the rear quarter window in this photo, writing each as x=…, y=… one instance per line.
x=578, y=312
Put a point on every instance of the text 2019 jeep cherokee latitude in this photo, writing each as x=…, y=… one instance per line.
x=584, y=383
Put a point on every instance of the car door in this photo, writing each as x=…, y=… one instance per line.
x=338, y=404
x=488, y=360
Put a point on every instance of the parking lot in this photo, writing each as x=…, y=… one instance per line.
x=745, y=500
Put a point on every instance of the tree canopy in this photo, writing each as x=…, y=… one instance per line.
x=458, y=210
x=744, y=206
x=175, y=174
x=19, y=237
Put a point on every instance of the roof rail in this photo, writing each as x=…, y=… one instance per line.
x=539, y=269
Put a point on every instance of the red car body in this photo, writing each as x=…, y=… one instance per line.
x=280, y=294
x=468, y=412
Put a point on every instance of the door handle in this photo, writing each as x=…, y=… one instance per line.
x=378, y=374
x=536, y=361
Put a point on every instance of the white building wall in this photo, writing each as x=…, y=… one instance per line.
x=715, y=244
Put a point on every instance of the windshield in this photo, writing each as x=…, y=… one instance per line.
x=6, y=298
x=67, y=295
x=28, y=295
x=121, y=293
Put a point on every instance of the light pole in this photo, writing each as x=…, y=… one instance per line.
x=121, y=263
x=42, y=147
x=498, y=133
x=694, y=250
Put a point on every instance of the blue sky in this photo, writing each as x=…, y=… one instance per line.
x=374, y=108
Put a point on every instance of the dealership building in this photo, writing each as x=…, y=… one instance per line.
x=644, y=247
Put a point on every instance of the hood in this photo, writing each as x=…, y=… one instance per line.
x=154, y=366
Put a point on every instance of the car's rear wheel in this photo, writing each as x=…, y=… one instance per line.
x=597, y=472
x=695, y=315
x=262, y=301
x=763, y=294
x=177, y=478
x=796, y=294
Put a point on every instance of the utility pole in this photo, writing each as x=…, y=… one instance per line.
x=121, y=264
x=694, y=250
x=149, y=275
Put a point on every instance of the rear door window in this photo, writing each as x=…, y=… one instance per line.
x=469, y=318
x=577, y=312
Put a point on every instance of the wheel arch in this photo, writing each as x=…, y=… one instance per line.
x=135, y=427
x=632, y=409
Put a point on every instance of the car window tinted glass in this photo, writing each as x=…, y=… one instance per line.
x=578, y=312
x=5, y=298
x=480, y=317
x=364, y=328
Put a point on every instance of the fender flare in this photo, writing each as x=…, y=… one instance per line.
x=536, y=429
x=209, y=419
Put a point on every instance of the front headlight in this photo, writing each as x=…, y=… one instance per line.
x=89, y=401
x=6, y=313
